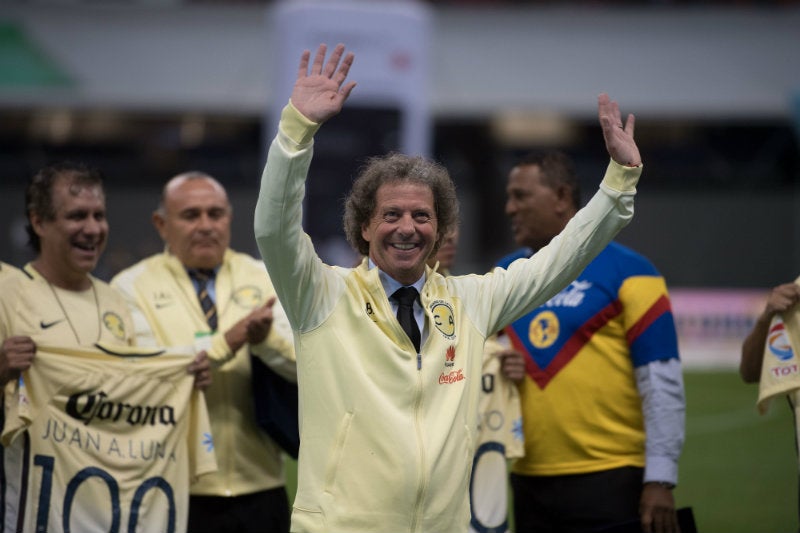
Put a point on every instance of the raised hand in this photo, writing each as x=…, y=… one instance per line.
x=619, y=138
x=319, y=94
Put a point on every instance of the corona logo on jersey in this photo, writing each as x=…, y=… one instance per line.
x=248, y=296
x=544, y=329
x=443, y=318
x=778, y=342
x=88, y=406
x=113, y=323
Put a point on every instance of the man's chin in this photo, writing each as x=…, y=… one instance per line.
x=86, y=260
x=410, y=264
x=87, y=267
x=210, y=262
x=407, y=274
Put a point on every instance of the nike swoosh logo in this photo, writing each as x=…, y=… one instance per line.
x=46, y=325
x=163, y=305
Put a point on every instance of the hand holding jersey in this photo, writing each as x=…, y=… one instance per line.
x=114, y=436
x=780, y=299
x=16, y=355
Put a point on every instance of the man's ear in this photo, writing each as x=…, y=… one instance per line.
x=36, y=223
x=563, y=198
x=160, y=224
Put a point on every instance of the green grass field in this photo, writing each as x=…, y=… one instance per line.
x=738, y=469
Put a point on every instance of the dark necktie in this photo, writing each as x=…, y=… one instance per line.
x=405, y=297
x=202, y=277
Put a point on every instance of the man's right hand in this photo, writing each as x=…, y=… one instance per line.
x=251, y=329
x=782, y=298
x=618, y=136
x=512, y=365
x=319, y=95
x=16, y=355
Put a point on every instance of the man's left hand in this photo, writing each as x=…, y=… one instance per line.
x=201, y=369
x=259, y=322
x=657, y=509
x=618, y=136
x=512, y=365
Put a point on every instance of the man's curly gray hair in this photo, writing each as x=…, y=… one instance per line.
x=361, y=202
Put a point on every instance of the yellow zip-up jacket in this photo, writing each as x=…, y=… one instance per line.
x=166, y=312
x=387, y=435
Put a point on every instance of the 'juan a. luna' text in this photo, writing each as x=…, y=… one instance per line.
x=95, y=442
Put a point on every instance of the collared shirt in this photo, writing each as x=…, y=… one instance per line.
x=367, y=406
x=211, y=286
x=167, y=312
x=390, y=285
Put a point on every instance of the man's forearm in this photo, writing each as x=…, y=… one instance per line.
x=660, y=385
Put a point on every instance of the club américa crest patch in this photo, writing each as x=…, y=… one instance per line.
x=248, y=296
x=113, y=323
x=443, y=318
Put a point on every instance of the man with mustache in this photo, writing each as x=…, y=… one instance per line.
x=200, y=291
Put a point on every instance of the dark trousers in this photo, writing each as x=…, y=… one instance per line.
x=576, y=503
x=260, y=512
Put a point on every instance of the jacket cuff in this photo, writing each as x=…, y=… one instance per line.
x=219, y=353
x=621, y=178
x=296, y=127
x=660, y=468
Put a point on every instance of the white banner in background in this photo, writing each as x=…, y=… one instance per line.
x=391, y=41
x=712, y=323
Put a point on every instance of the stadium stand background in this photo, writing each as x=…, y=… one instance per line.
x=146, y=89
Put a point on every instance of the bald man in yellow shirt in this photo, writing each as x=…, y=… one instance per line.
x=199, y=290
